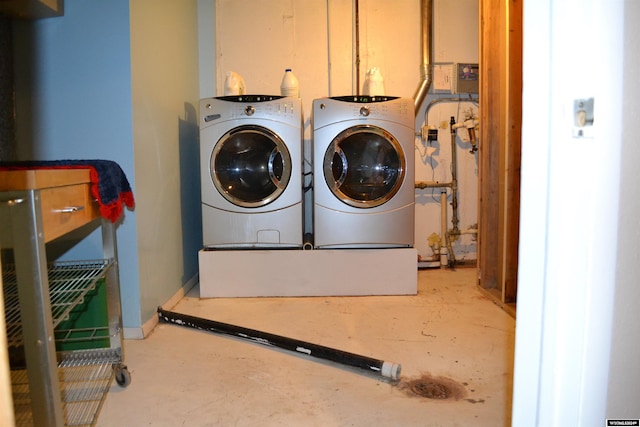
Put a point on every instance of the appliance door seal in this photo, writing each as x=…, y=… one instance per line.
x=364, y=166
x=250, y=166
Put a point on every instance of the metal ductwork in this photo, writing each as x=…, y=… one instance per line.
x=426, y=74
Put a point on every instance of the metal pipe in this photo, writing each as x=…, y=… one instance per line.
x=302, y=348
x=454, y=177
x=454, y=195
x=431, y=184
x=449, y=99
x=461, y=232
x=426, y=20
x=357, y=48
x=455, y=233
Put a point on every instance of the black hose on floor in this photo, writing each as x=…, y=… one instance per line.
x=373, y=366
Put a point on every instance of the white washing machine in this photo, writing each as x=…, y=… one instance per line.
x=251, y=168
x=363, y=172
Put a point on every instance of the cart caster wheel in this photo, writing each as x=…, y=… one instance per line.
x=123, y=377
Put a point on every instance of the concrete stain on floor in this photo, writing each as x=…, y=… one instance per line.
x=433, y=388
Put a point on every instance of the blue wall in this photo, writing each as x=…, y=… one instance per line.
x=73, y=101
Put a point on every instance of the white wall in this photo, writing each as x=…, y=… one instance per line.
x=455, y=40
x=624, y=370
x=316, y=38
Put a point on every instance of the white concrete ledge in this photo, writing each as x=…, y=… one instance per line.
x=325, y=272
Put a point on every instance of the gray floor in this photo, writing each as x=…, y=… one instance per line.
x=448, y=334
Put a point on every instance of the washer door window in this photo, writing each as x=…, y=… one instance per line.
x=364, y=166
x=250, y=166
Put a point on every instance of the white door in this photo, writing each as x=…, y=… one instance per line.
x=569, y=210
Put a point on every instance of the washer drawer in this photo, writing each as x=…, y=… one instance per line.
x=66, y=208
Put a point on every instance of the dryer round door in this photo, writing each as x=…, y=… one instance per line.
x=250, y=166
x=364, y=166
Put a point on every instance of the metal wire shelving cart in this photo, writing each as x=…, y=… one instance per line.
x=61, y=370
x=85, y=374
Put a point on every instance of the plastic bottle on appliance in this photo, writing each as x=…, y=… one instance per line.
x=234, y=84
x=373, y=83
x=289, y=85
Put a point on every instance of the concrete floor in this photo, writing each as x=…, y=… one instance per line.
x=450, y=333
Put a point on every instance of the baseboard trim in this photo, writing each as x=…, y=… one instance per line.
x=150, y=324
x=496, y=297
x=132, y=333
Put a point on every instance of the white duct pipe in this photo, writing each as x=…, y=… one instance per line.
x=443, y=230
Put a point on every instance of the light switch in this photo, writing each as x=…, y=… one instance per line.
x=583, y=118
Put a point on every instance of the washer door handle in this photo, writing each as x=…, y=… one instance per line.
x=343, y=170
x=275, y=154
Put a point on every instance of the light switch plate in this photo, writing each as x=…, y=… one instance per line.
x=583, y=119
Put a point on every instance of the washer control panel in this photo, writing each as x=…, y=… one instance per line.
x=272, y=107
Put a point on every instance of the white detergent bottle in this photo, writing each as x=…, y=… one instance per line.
x=373, y=83
x=234, y=84
x=289, y=85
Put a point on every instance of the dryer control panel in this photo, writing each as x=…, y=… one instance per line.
x=365, y=107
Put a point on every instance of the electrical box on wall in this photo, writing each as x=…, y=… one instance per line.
x=455, y=78
x=465, y=78
x=442, y=78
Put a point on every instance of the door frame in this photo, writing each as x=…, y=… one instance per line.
x=500, y=147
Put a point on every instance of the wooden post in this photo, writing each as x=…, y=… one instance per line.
x=499, y=145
